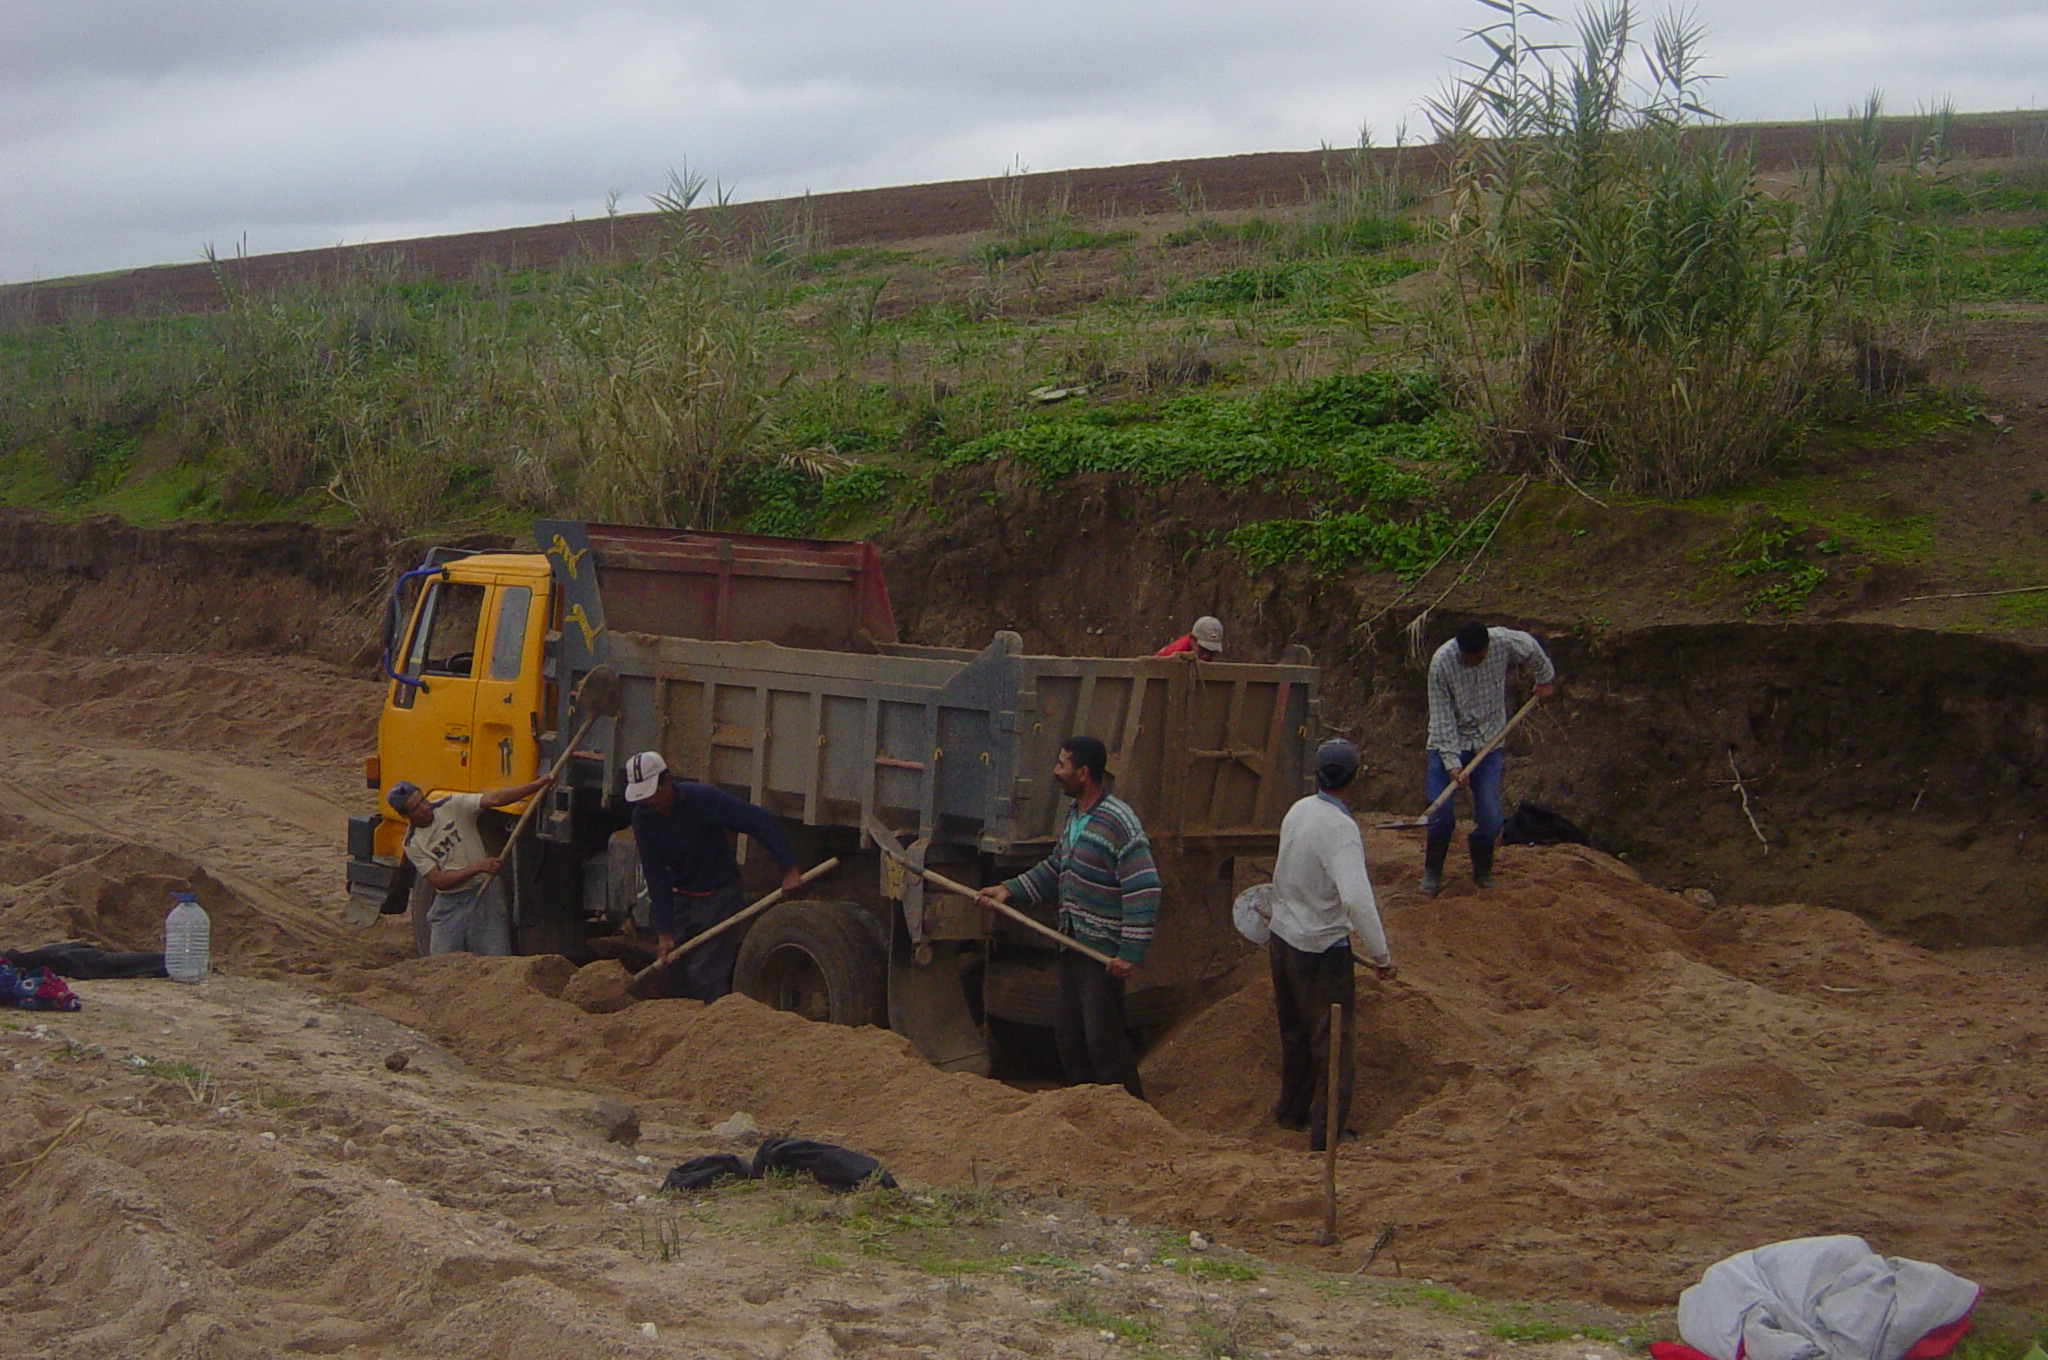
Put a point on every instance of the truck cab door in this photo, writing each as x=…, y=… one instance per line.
x=427, y=732
x=508, y=685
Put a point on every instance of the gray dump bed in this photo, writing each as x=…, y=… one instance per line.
x=957, y=745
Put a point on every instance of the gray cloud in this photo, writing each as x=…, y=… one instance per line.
x=132, y=133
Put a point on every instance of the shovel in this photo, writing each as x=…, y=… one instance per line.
x=598, y=697
x=639, y=985
x=1477, y=756
x=886, y=841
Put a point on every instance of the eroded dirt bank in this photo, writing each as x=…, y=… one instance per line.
x=1892, y=771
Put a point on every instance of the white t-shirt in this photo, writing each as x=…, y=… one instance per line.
x=1321, y=892
x=451, y=841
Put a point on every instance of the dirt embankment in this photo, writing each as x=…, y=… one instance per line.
x=1893, y=771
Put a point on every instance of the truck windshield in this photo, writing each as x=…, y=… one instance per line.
x=444, y=639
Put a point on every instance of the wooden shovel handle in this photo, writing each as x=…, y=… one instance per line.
x=729, y=922
x=534, y=802
x=1481, y=754
x=938, y=880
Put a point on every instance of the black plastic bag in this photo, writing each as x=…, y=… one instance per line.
x=1534, y=824
x=835, y=1168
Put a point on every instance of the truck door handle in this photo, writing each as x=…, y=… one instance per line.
x=461, y=737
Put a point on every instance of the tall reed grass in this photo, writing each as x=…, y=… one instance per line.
x=1625, y=297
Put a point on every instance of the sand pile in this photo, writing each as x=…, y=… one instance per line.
x=82, y=885
x=1580, y=1085
x=273, y=708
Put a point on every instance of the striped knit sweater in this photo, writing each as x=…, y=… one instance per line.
x=1102, y=875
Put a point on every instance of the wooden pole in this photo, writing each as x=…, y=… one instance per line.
x=1330, y=1116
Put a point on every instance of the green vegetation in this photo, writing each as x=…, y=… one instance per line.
x=1772, y=555
x=1080, y=1310
x=1623, y=301
x=1584, y=288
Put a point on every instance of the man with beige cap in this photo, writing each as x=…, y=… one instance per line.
x=1203, y=642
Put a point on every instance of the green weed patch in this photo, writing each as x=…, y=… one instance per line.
x=1356, y=430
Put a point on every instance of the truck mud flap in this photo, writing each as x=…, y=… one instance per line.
x=928, y=1003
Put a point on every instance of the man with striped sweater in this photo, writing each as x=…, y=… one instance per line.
x=1101, y=873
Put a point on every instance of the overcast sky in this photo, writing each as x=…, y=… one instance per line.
x=139, y=131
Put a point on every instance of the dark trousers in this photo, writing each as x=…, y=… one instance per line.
x=1095, y=1049
x=1305, y=986
x=705, y=973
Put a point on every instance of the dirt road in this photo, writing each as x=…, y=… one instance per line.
x=1582, y=1087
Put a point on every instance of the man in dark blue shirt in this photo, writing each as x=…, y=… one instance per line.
x=684, y=831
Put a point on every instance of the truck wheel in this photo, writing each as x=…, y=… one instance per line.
x=817, y=959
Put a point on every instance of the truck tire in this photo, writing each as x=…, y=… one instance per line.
x=818, y=959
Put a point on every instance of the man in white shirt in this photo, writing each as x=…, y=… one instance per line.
x=448, y=850
x=1321, y=897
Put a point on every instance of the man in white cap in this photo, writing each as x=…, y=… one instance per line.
x=444, y=845
x=1203, y=642
x=1321, y=897
x=684, y=831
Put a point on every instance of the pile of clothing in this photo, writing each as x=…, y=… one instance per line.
x=33, y=979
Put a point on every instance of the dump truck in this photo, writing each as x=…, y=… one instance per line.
x=771, y=668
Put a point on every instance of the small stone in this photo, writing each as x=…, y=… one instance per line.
x=272, y=1138
x=503, y=1225
x=399, y=1060
x=390, y=1133
x=1111, y=1336
x=616, y=1120
x=1197, y=1242
x=739, y=1127
x=1699, y=897
x=349, y=1148
x=1006, y=1248
x=1309, y=1347
x=313, y=1022
x=1133, y=1254
x=650, y=1331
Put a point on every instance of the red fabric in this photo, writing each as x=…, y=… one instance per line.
x=1932, y=1346
x=1184, y=643
x=1675, y=1350
x=1941, y=1340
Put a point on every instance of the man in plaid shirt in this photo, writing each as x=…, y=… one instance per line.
x=1468, y=706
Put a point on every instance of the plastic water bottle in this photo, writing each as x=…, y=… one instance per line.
x=188, y=937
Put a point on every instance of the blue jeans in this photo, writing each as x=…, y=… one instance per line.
x=1485, y=788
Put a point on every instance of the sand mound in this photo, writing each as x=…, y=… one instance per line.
x=81, y=885
x=1580, y=1085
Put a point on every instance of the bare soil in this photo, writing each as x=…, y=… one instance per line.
x=1580, y=1087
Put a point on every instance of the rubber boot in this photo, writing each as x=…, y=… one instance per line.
x=1435, y=846
x=1482, y=860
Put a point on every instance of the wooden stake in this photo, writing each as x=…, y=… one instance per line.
x=1330, y=1112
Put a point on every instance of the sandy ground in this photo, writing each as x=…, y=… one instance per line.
x=1580, y=1087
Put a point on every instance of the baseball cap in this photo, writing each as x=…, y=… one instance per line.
x=1336, y=763
x=643, y=775
x=401, y=793
x=1208, y=633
